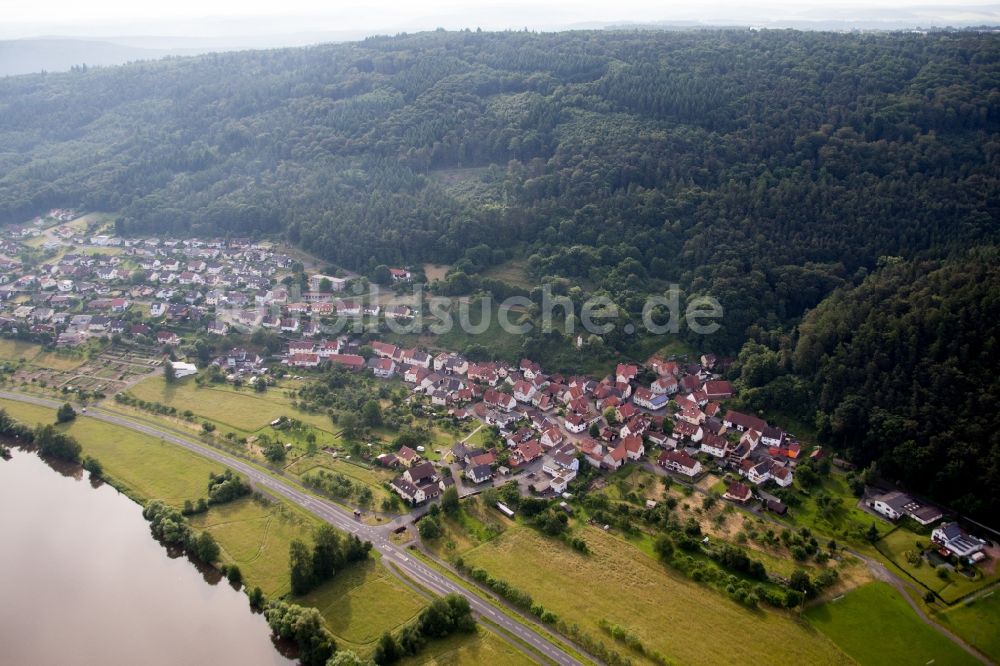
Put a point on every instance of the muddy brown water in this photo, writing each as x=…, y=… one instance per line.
x=83, y=582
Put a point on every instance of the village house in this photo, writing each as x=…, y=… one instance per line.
x=524, y=391
x=650, y=400
x=407, y=456
x=167, y=338
x=714, y=445
x=956, y=541
x=685, y=430
x=384, y=368
x=634, y=448
x=718, y=389
x=737, y=492
x=479, y=473
x=400, y=274
x=349, y=361
x=742, y=422
x=756, y=472
x=666, y=385
x=781, y=475
x=680, y=462
x=498, y=400
x=894, y=505
x=304, y=360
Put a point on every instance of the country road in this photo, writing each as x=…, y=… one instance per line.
x=340, y=518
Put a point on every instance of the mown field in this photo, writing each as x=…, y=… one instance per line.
x=33, y=354
x=241, y=410
x=894, y=547
x=621, y=585
x=482, y=649
x=976, y=621
x=876, y=626
x=358, y=605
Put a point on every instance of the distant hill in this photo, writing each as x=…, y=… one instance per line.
x=764, y=168
x=29, y=56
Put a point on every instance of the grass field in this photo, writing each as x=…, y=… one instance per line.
x=977, y=622
x=362, y=602
x=16, y=350
x=499, y=342
x=484, y=648
x=372, y=478
x=243, y=411
x=847, y=523
x=435, y=271
x=876, y=626
x=144, y=467
x=622, y=585
x=513, y=272
x=894, y=547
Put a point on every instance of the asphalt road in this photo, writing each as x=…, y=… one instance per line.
x=339, y=518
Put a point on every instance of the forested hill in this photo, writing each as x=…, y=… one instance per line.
x=903, y=371
x=765, y=167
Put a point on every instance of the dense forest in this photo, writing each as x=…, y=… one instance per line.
x=902, y=372
x=770, y=169
x=766, y=168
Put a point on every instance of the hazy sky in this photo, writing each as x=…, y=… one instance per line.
x=22, y=18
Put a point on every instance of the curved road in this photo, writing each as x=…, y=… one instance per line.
x=339, y=518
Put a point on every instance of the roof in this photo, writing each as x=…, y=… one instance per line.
x=632, y=444
x=530, y=449
x=897, y=501
x=424, y=470
x=405, y=486
x=745, y=420
x=481, y=471
x=719, y=387
x=738, y=490
x=618, y=453
x=678, y=458
x=349, y=360
x=950, y=530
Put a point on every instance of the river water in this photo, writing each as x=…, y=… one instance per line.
x=83, y=582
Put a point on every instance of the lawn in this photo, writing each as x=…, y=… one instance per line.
x=846, y=523
x=978, y=622
x=142, y=466
x=895, y=545
x=875, y=625
x=244, y=410
x=15, y=350
x=364, y=601
x=633, y=479
x=471, y=527
x=622, y=585
x=373, y=478
x=255, y=535
x=483, y=648
x=513, y=272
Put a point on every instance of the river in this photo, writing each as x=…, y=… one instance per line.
x=84, y=582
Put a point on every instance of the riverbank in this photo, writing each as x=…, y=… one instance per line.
x=358, y=606
x=80, y=555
